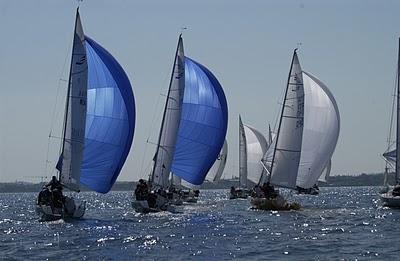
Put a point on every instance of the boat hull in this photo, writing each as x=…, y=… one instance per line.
x=70, y=210
x=240, y=194
x=389, y=200
x=278, y=203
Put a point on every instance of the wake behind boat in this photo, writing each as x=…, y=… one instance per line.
x=95, y=143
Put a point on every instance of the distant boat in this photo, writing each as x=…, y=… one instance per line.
x=217, y=169
x=98, y=124
x=252, y=148
x=192, y=132
x=391, y=198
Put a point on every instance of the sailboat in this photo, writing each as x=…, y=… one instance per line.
x=98, y=126
x=307, y=134
x=192, y=132
x=319, y=137
x=252, y=148
x=391, y=198
x=217, y=169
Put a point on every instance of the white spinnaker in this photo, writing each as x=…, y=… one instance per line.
x=289, y=139
x=321, y=131
x=326, y=172
x=74, y=135
x=215, y=173
x=256, y=147
x=170, y=123
x=242, y=155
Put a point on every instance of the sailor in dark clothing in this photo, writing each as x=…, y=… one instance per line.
x=54, y=184
x=268, y=190
x=142, y=190
x=51, y=194
x=233, y=191
x=396, y=190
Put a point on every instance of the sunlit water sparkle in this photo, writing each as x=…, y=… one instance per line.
x=341, y=223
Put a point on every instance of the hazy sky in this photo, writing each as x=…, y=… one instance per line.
x=350, y=45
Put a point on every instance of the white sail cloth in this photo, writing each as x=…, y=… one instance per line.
x=326, y=172
x=74, y=133
x=320, y=134
x=321, y=130
x=172, y=115
x=286, y=157
x=215, y=173
x=256, y=147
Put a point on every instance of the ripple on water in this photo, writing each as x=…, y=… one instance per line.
x=340, y=223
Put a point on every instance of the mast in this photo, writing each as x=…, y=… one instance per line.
x=280, y=119
x=398, y=119
x=68, y=92
x=160, y=136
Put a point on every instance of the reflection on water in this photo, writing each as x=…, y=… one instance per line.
x=340, y=223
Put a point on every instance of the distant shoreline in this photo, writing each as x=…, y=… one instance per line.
x=335, y=181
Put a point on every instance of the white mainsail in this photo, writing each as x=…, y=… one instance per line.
x=75, y=120
x=256, y=147
x=242, y=155
x=170, y=122
x=287, y=152
x=215, y=173
x=321, y=131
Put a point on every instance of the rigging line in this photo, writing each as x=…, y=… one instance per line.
x=155, y=117
x=55, y=111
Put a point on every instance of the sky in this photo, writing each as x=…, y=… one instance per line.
x=350, y=45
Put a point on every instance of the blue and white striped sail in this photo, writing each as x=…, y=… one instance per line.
x=110, y=119
x=203, y=124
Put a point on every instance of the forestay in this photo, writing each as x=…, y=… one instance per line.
x=321, y=131
x=110, y=119
x=70, y=160
x=203, y=124
x=170, y=123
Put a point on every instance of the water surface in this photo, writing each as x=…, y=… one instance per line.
x=341, y=223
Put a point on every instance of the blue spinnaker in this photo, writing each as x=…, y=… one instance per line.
x=203, y=124
x=110, y=119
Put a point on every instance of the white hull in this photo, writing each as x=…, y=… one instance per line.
x=389, y=200
x=70, y=210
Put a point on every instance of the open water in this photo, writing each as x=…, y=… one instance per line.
x=341, y=223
